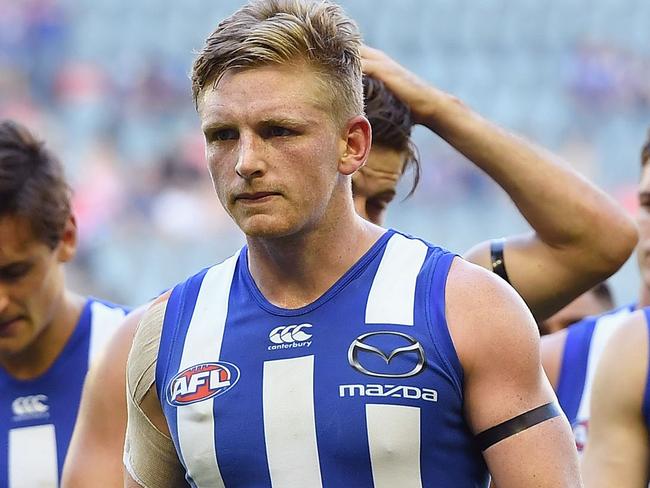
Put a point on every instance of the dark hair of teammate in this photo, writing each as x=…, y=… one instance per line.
x=391, y=123
x=32, y=183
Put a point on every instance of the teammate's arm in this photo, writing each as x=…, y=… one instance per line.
x=95, y=454
x=617, y=451
x=570, y=250
x=149, y=455
x=498, y=345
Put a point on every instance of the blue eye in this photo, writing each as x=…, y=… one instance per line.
x=225, y=135
x=277, y=131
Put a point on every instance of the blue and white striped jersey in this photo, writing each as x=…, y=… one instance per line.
x=37, y=416
x=585, y=343
x=361, y=388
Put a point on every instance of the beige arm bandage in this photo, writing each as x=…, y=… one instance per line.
x=149, y=454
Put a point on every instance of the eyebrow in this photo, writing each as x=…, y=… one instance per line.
x=270, y=121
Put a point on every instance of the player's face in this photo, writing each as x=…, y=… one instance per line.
x=374, y=186
x=643, y=222
x=31, y=282
x=272, y=148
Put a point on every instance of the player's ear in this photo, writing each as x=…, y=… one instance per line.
x=356, y=144
x=67, y=246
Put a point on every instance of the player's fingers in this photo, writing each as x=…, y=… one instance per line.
x=369, y=66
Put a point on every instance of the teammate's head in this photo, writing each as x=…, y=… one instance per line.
x=279, y=93
x=288, y=32
x=37, y=235
x=643, y=216
x=374, y=185
x=593, y=302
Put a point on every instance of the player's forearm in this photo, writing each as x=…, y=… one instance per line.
x=566, y=211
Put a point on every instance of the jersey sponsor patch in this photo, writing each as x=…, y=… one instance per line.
x=201, y=382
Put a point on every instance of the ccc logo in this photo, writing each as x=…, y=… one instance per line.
x=289, y=333
x=30, y=405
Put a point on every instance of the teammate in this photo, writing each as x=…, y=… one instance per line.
x=596, y=301
x=48, y=334
x=270, y=367
x=570, y=357
x=619, y=446
x=573, y=254
x=566, y=254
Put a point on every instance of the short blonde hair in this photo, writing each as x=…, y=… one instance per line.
x=266, y=32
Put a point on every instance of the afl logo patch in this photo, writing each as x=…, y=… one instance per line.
x=201, y=382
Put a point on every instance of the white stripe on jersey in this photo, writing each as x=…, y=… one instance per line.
x=32, y=457
x=195, y=422
x=603, y=330
x=394, y=441
x=290, y=424
x=104, y=321
x=392, y=296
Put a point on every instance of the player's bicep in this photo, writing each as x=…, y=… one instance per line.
x=498, y=344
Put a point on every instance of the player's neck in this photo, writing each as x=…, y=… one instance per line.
x=296, y=271
x=39, y=356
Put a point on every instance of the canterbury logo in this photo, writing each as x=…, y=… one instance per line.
x=290, y=334
x=30, y=406
x=412, y=347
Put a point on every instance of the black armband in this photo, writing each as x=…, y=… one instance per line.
x=496, y=256
x=515, y=425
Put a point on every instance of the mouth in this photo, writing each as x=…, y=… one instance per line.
x=257, y=197
x=8, y=326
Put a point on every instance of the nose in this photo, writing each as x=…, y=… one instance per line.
x=250, y=160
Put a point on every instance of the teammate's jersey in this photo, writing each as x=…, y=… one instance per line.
x=361, y=388
x=37, y=416
x=585, y=342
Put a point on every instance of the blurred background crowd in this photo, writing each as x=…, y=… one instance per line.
x=105, y=82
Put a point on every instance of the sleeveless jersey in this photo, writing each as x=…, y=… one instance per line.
x=585, y=342
x=37, y=416
x=361, y=388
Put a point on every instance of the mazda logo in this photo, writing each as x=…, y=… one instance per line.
x=361, y=344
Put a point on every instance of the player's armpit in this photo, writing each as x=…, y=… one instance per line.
x=498, y=345
x=617, y=451
x=95, y=454
x=149, y=455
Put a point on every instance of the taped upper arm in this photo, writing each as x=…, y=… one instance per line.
x=149, y=454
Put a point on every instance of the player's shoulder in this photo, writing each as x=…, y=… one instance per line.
x=486, y=316
x=622, y=372
x=629, y=341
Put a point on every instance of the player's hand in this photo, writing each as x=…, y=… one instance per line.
x=421, y=97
